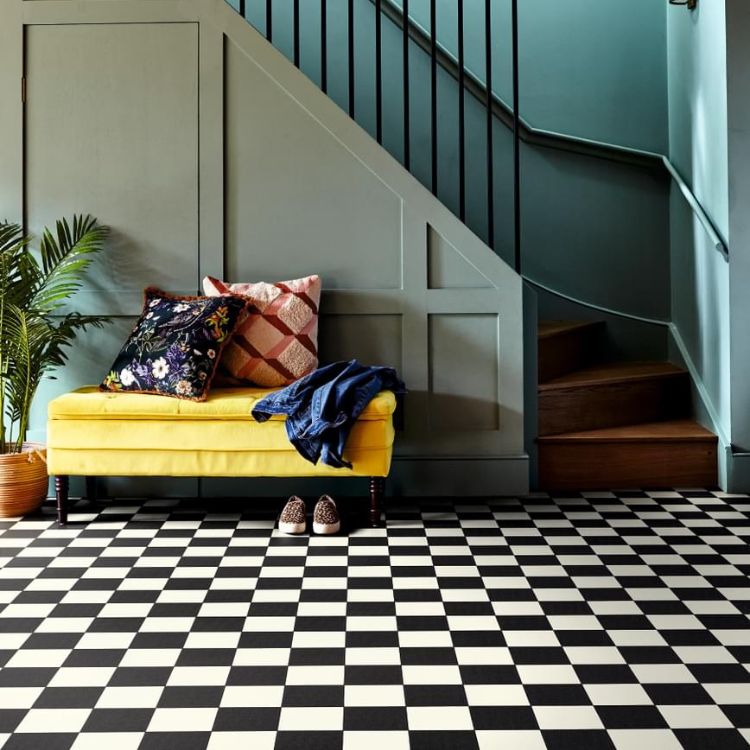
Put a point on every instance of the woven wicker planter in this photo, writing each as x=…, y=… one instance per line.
x=23, y=480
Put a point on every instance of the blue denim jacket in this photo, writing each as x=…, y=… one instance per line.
x=322, y=407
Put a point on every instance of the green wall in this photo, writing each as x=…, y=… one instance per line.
x=738, y=129
x=591, y=69
x=596, y=69
x=698, y=148
x=594, y=229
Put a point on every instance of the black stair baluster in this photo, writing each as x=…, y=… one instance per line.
x=433, y=94
x=269, y=20
x=379, y=70
x=407, y=124
x=488, y=104
x=242, y=8
x=516, y=141
x=351, y=57
x=461, y=115
x=296, y=33
x=323, y=47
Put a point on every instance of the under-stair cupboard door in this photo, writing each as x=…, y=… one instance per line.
x=111, y=129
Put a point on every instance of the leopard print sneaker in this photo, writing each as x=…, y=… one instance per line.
x=293, y=519
x=326, y=516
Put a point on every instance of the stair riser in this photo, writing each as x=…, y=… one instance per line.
x=595, y=407
x=623, y=465
x=566, y=352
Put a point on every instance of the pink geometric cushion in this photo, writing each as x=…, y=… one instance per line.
x=277, y=343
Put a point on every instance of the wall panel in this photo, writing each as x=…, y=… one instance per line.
x=448, y=269
x=463, y=372
x=298, y=201
x=11, y=113
x=372, y=339
x=112, y=130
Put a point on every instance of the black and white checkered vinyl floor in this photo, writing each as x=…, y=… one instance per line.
x=584, y=621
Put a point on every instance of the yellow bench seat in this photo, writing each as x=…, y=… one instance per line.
x=92, y=433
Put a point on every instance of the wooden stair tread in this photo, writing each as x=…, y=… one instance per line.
x=671, y=430
x=617, y=372
x=549, y=328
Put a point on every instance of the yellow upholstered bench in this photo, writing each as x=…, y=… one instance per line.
x=91, y=434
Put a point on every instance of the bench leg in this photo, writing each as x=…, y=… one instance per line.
x=92, y=491
x=61, y=495
x=377, y=495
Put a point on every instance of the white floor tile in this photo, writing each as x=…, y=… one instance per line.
x=47, y=720
x=182, y=720
x=240, y=740
x=694, y=717
x=522, y=739
x=376, y=740
x=567, y=717
x=436, y=718
x=142, y=696
x=374, y=695
x=108, y=740
x=260, y=696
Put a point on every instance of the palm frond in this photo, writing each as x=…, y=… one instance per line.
x=62, y=335
x=16, y=274
x=10, y=236
x=64, y=260
x=33, y=339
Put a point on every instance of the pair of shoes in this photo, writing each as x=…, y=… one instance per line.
x=293, y=519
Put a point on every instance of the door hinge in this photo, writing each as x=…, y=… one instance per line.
x=23, y=89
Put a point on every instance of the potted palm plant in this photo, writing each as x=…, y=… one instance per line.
x=34, y=335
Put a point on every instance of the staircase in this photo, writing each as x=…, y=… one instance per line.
x=601, y=424
x=622, y=424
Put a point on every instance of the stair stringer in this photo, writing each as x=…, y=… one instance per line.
x=307, y=190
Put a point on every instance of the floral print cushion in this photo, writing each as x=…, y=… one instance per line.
x=174, y=347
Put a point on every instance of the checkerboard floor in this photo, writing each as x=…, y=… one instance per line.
x=584, y=621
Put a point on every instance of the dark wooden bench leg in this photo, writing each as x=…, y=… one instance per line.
x=377, y=495
x=61, y=495
x=92, y=491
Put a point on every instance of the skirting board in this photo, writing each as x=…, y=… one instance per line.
x=457, y=477
x=410, y=477
x=737, y=471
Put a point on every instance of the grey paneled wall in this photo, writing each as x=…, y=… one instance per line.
x=123, y=145
x=112, y=128
x=591, y=228
x=398, y=289
x=207, y=152
x=297, y=200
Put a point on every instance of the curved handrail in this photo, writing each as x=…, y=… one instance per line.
x=550, y=139
x=594, y=306
x=698, y=210
x=504, y=112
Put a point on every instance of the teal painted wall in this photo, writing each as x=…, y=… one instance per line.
x=591, y=69
x=698, y=148
x=596, y=69
x=698, y=104
x=738, y=129
x=593, y=229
